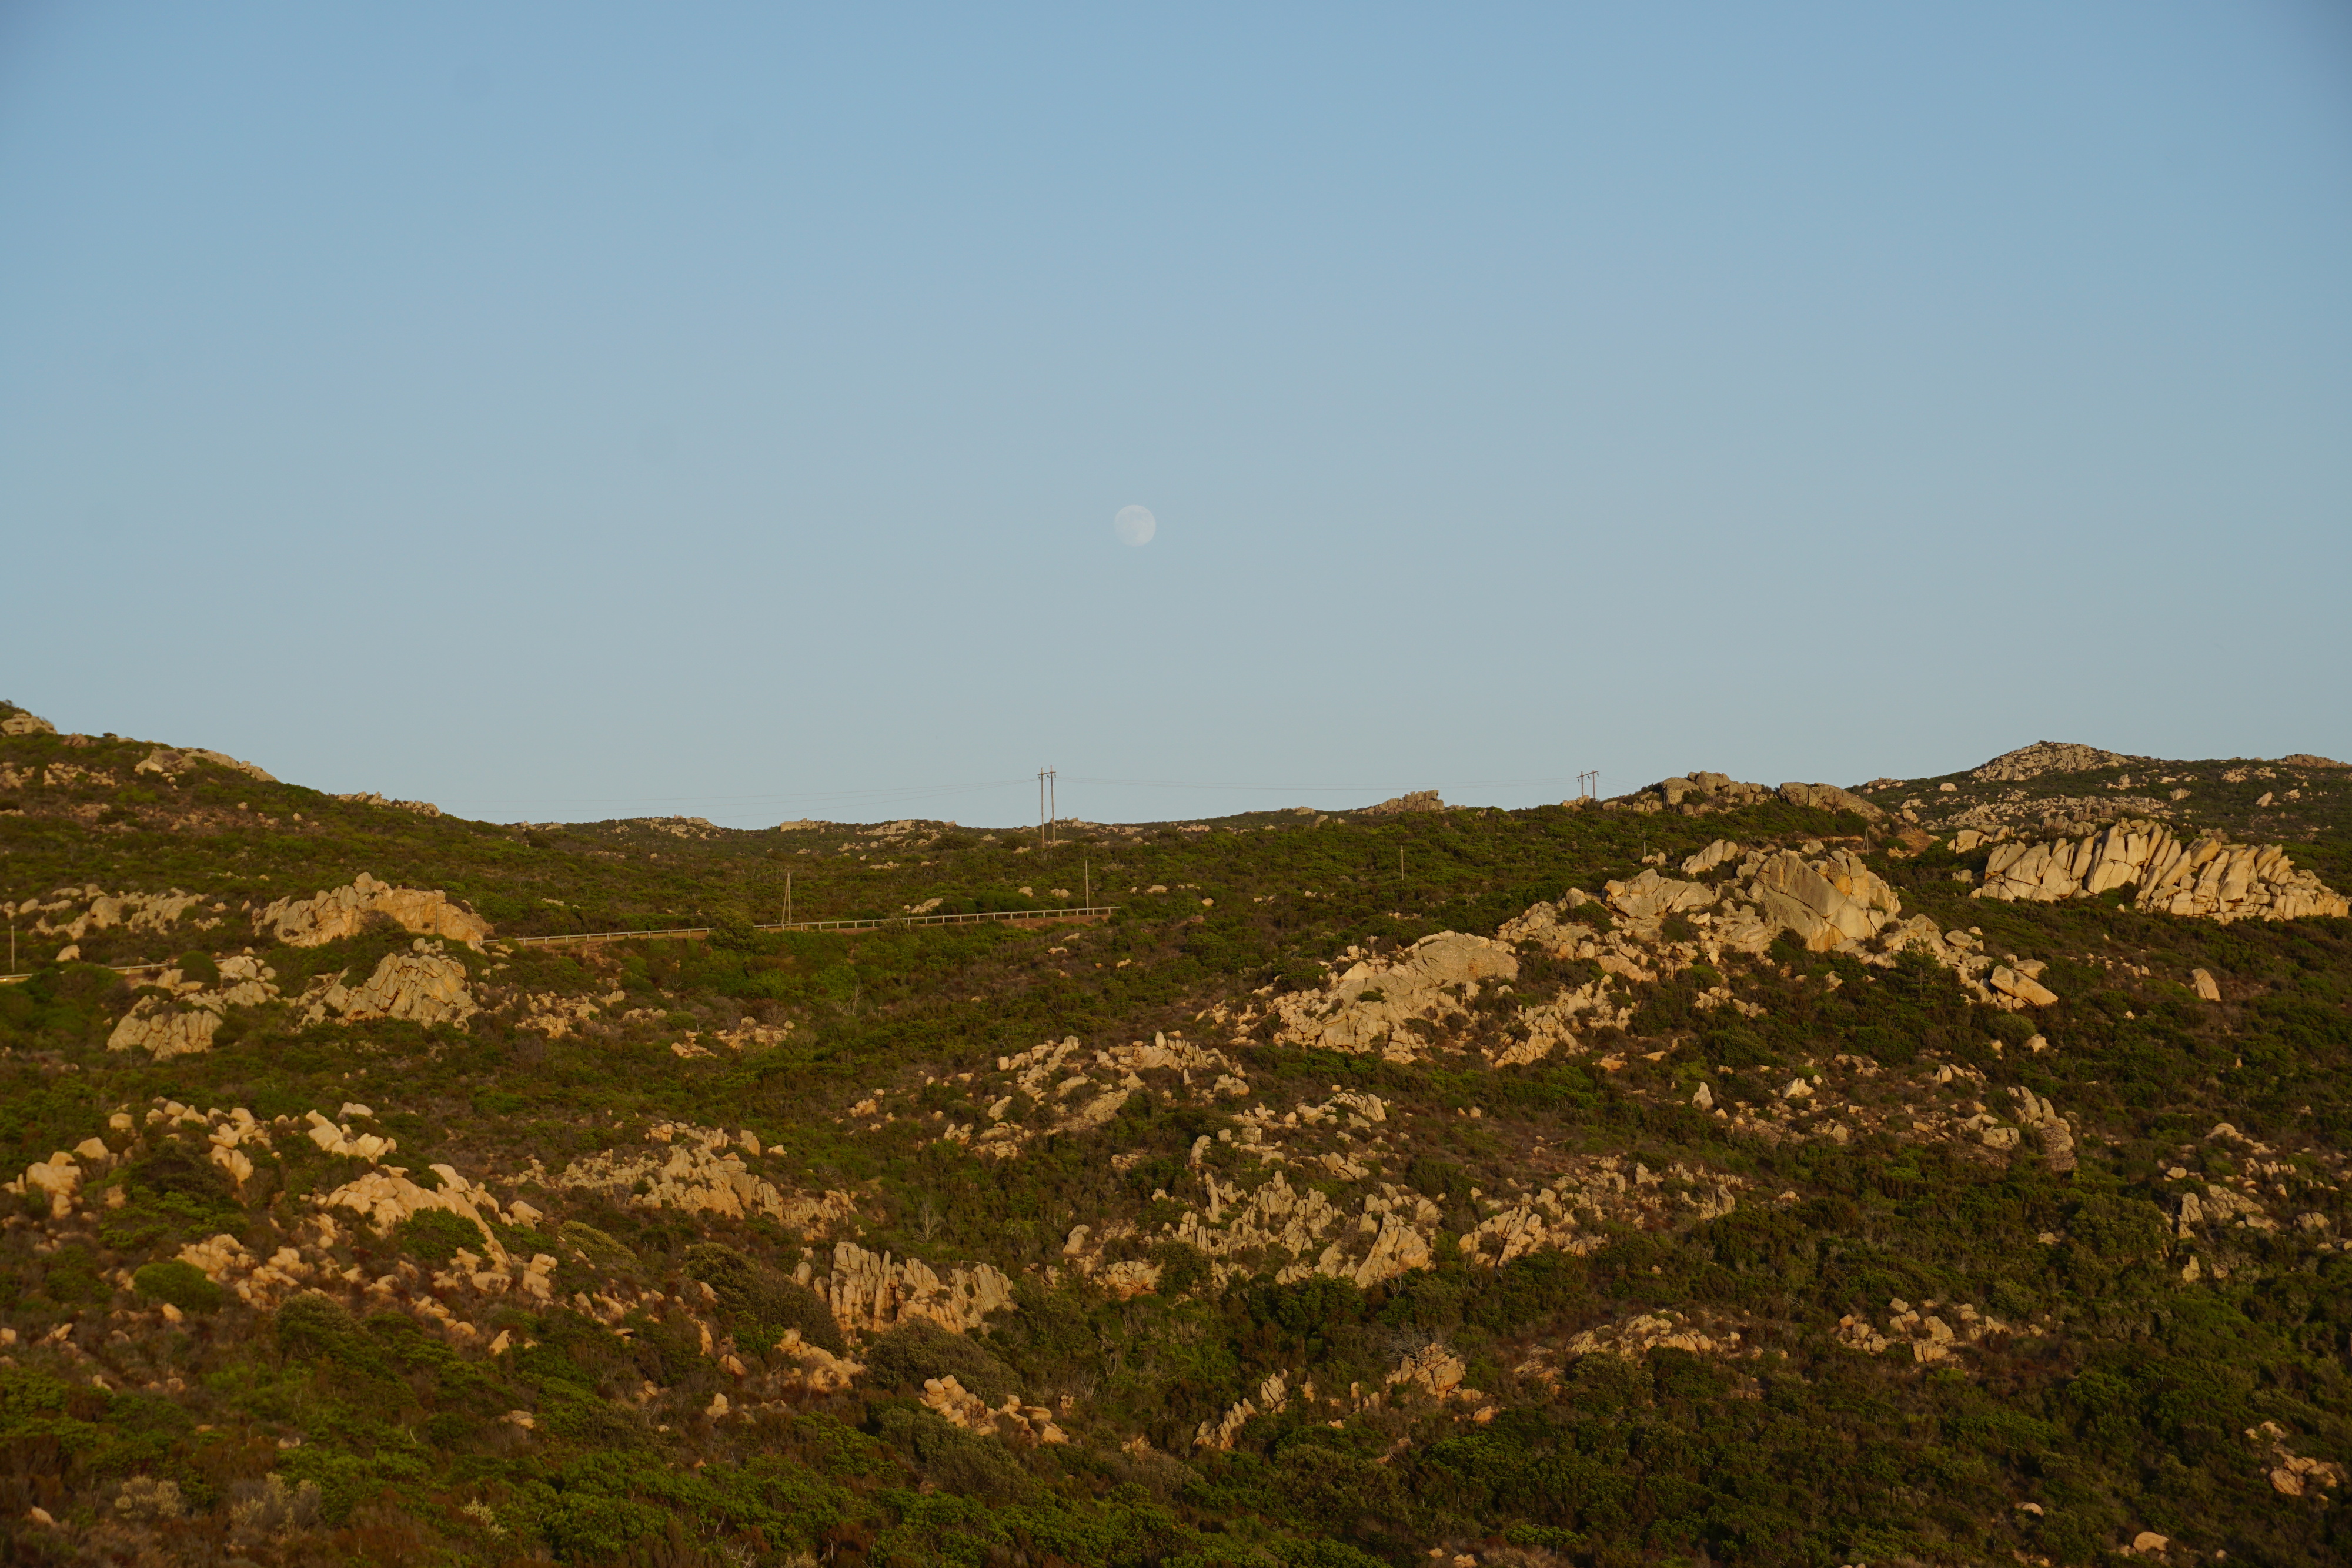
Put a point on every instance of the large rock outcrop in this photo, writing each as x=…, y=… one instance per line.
x=1830, y=798
x=154, y=912
x=422, y=986
x=1693, y=794
x=1390, y=1234
x=341, y=911
x=1830, y=902
x=370, y=798
x=1581, y=1209
x=1273, y=1399
x=1024, y=1426
x=185, y=1023
x=2208, y=877
x=164, y=1029
x=1650, y=896
x=1635, y=1337
x=385, y=1197
x=1415, y=801
x=703, y=1171
x=1719, y=788
x=2049, y=756
x=172, y=763
x=1367, y=1006
x=1697, y=793
x=870, y=1292
x=1929, y=1337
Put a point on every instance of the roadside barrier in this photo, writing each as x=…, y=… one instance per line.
x=882, y=923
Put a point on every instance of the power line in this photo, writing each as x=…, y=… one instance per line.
x=1391, y=784
x=903, y=792
x=1049, y=814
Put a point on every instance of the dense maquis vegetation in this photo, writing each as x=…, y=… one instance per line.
x=1693, y=1382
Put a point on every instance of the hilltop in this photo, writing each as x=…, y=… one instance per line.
x=1935, y=1170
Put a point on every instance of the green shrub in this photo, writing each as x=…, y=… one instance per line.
x=312, y=1325
x=593, y=1422
x=173, y=1196
x=184, y=1285
x=760, y=1302
x=1440, y=1180
x=71, y=1276
x=954, y=1459
x=597, y=1249
x=907, y=1355
x=1736, y=1046
x=2120, y=1229
x=434, y=1236
x=1304, y=1309
x=730, y=930
x=174, y=1171
x=1181, y=1268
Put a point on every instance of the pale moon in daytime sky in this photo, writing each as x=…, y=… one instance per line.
x=1136, y=525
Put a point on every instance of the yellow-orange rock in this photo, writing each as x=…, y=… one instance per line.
x=2209, y=878
x=343, y=912
x=421, y=986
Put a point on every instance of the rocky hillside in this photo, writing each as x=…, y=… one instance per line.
x=1934, y=1171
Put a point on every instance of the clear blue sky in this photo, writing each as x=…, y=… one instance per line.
x=579, y=411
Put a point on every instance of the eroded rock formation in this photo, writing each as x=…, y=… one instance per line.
x=1830, y=798
x=870, y=1292
x=385, y=1197
x=341, y=911
x=1573, y=1214
x=2049, y=756
x=2208, y=877
x=703, y=1171
x=1273, y=1398
x=1024, y=1425
x=1634, y=1337
x=1415, y=800
x=1696, y=794
x=154, y=912
x=1366, y=1006
x=172, y=763
x=1931, y=1335
x=421, y=986
x=184, y=1024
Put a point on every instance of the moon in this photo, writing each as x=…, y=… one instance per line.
x=1135, y=524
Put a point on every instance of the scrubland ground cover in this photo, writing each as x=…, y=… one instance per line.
x=789, y=1247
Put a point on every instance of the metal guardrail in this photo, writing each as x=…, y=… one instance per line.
x=992, y=917
x=118, y=968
